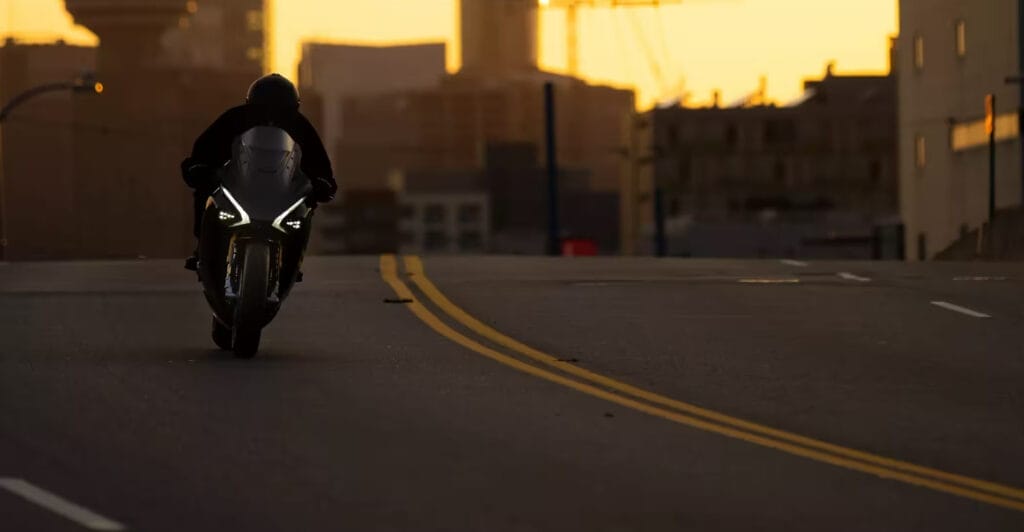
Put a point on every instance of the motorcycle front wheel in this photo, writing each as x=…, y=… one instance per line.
x=250, y=307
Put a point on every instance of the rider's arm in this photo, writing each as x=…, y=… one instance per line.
x=315, y=162
x=211, y=149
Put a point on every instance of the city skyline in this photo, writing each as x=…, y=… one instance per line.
x=686, y=43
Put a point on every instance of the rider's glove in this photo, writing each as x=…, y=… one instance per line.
x=199, y=176
x=324, y=189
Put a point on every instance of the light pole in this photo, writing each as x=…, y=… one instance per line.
x=86, y=83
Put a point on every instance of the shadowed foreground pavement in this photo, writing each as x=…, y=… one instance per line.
x=357, y=415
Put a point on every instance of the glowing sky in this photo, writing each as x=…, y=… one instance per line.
x=697, y=46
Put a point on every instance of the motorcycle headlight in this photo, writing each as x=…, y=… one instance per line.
x=293, y=218
x=230, y=212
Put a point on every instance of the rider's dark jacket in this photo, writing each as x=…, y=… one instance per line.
x=213, y=147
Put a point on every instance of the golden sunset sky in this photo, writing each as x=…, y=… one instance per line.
x=696, y=46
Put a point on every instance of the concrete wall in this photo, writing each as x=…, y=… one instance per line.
x=949, y=193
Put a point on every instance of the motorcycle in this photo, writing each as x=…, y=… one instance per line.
x=253, y=237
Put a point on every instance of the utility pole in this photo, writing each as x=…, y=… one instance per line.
x=554, y=226
x=3, y=198
x=660, y=242
x=990, y=128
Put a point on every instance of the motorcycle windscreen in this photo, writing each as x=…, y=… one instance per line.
x=264, y=175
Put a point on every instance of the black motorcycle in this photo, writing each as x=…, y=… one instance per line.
x=254, y=234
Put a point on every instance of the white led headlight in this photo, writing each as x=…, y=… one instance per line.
x=229, y=217
x=285, y=220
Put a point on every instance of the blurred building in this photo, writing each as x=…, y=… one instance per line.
x=500, y=207
x=805, y=179
x=952, y=54
x=445, y=222
x=339, y=71
x=221, y=35
x=364, y=222
x=331, y=73
x=38, y=141
x=98, y=176
x=444, y=124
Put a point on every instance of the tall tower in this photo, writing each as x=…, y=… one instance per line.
x=499, y=37
x=129, y=30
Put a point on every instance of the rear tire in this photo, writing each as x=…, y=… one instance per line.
x=221, y=335
x=250, y=307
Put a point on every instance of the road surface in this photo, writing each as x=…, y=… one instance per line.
x=500, y=394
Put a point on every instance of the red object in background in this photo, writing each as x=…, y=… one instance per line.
x=579, y=247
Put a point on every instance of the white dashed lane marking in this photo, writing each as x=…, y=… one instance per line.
x=852, y=277
x=962, y=310
x=54, y=503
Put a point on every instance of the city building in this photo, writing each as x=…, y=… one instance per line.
x=339, y=71
x=439, y=124
x=221, y=35
x=814, y=178
x=439, y=222
x=110, y=162
x=38, y=174
x=497, y=97
x=952, y=55
x=501, y=207
x=330, y=73
x=362, y=222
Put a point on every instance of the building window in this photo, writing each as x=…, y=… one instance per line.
x=470, y=241
x=918, y=52
x=469, y=213
x=920, y=152
x=254, y=53
x=254, y=20
x=675, y=206
x=961, y=39
x=673, y=135
x=435, y=240
x=875, y=172
x=408, y=238
x=779, y=172
x=732, y=136
x=434, y=213
x=779, y=132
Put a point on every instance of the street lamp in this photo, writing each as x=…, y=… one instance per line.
x=83, y=84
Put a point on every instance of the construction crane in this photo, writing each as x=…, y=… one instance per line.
x=571, y=18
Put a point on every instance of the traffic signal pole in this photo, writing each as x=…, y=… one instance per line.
x=554, y=227
x=990, y=127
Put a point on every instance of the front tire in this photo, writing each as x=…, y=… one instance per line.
x=221, y=335
x=250, y=307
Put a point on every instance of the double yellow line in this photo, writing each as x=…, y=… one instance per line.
x=629, y=396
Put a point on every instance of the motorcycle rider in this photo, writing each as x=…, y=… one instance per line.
x=271, y=101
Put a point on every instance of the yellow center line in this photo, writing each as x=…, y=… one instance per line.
x=790, y=443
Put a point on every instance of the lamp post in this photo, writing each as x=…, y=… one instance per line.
x=86, y=83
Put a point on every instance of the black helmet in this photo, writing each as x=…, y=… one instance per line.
x=273, y=90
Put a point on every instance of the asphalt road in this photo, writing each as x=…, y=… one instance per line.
x=519, y=394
